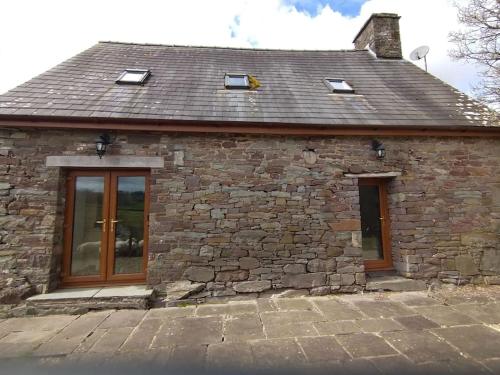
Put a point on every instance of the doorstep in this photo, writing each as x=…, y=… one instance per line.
x=389, y=281
x=80, y=300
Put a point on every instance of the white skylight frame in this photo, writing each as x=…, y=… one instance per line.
x=133, y=76
x=339, y=85
x=243, y=84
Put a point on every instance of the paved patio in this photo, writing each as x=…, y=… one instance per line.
x=371, y=333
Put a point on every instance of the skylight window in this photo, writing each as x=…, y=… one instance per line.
x=339, y=86
x=134, y=76
x=236, y=81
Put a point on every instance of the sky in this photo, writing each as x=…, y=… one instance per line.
x=36, y=35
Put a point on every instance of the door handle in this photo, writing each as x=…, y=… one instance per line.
x=103, y=222
x=113, y=222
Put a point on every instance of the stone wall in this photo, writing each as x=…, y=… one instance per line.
x=251, y=213
x=381, y=34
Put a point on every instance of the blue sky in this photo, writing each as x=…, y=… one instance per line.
x=350, y=8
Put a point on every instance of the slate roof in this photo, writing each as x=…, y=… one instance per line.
x=187, y=83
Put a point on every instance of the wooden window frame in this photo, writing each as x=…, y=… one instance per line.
x=386, y=263
x=106, y=261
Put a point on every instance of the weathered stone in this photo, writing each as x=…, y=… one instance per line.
x=294, y=268
x=307, y=280
x=252, y=286
x=231, y=275
x=465, y=265
x=200, y=274
x=490, y=261
x=316, y=265
x=182, y=289
x=249, y=263
x=249, y=236
x=346, y=225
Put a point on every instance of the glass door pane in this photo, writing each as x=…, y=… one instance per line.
x=88, y=226
x=371, y=228
x=127, y=225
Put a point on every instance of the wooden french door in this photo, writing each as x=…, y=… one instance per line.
x=106, y=227
x=375, y=224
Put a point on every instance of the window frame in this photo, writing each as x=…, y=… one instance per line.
x=228, y=76
x=328, y=83
x=145, y=75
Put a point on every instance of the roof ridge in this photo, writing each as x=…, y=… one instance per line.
x=233, y=48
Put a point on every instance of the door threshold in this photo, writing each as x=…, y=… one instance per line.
x=96, y=293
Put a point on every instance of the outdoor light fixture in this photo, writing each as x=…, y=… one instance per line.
x=379, y=148
x=101, y=144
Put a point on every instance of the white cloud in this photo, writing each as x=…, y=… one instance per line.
x=36, y=35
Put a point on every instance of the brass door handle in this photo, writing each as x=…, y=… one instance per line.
x=113, y=222
x=103, y=222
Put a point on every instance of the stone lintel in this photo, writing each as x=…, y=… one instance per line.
x=373, y=175
x=112, y=161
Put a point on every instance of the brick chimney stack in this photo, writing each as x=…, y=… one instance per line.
x=381, y=34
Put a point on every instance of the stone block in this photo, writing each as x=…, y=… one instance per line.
x=249, y=263
x=347, y=279
x=252, y=286
x=248, y=236
x=346, y=225
x=465, y=265
x=481, y=239
x=304, y=281
x=490, y=261
x=226, y=276
x=316, y=265
x=295, y=268
x=199, y=274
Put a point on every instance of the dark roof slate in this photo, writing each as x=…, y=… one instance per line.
x=187, y=83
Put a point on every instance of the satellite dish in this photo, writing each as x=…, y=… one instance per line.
x=420, y=53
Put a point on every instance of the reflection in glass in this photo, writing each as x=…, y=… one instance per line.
x=129, y=225
x=370, y=222
x=87, y=226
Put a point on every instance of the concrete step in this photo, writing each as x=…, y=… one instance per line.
x=81, y=300
x=394, y=284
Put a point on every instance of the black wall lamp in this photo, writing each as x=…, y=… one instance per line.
x=379, y=148
x=101, y=144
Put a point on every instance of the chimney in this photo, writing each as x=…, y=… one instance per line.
x=381, y=34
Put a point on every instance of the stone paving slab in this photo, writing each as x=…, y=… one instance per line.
x=416, y=322
x=190, y=331
x=322, y=349
x=486, y=313
x=365, y=345
x=112, y=340
x=379, y=325
x=336, y=310
x=243, y=328
x=142, y=336
x=171, y=312
x=44, y=323
x=234, y=356
x=421, y=346
x=376, y=333
x=341, y=327
x=226, y=309
x=444, y=315
x=278, y=353
x=383, y=309
x=123, y=318
x=477, y=341
x=274, y=331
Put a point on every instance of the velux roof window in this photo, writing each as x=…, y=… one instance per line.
x=338, y=85
x=236, y=81
x=134, y=76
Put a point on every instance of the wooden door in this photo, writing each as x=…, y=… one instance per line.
x=106, y=227
x=375, y=224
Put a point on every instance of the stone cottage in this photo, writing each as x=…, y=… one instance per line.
x=246, y=170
